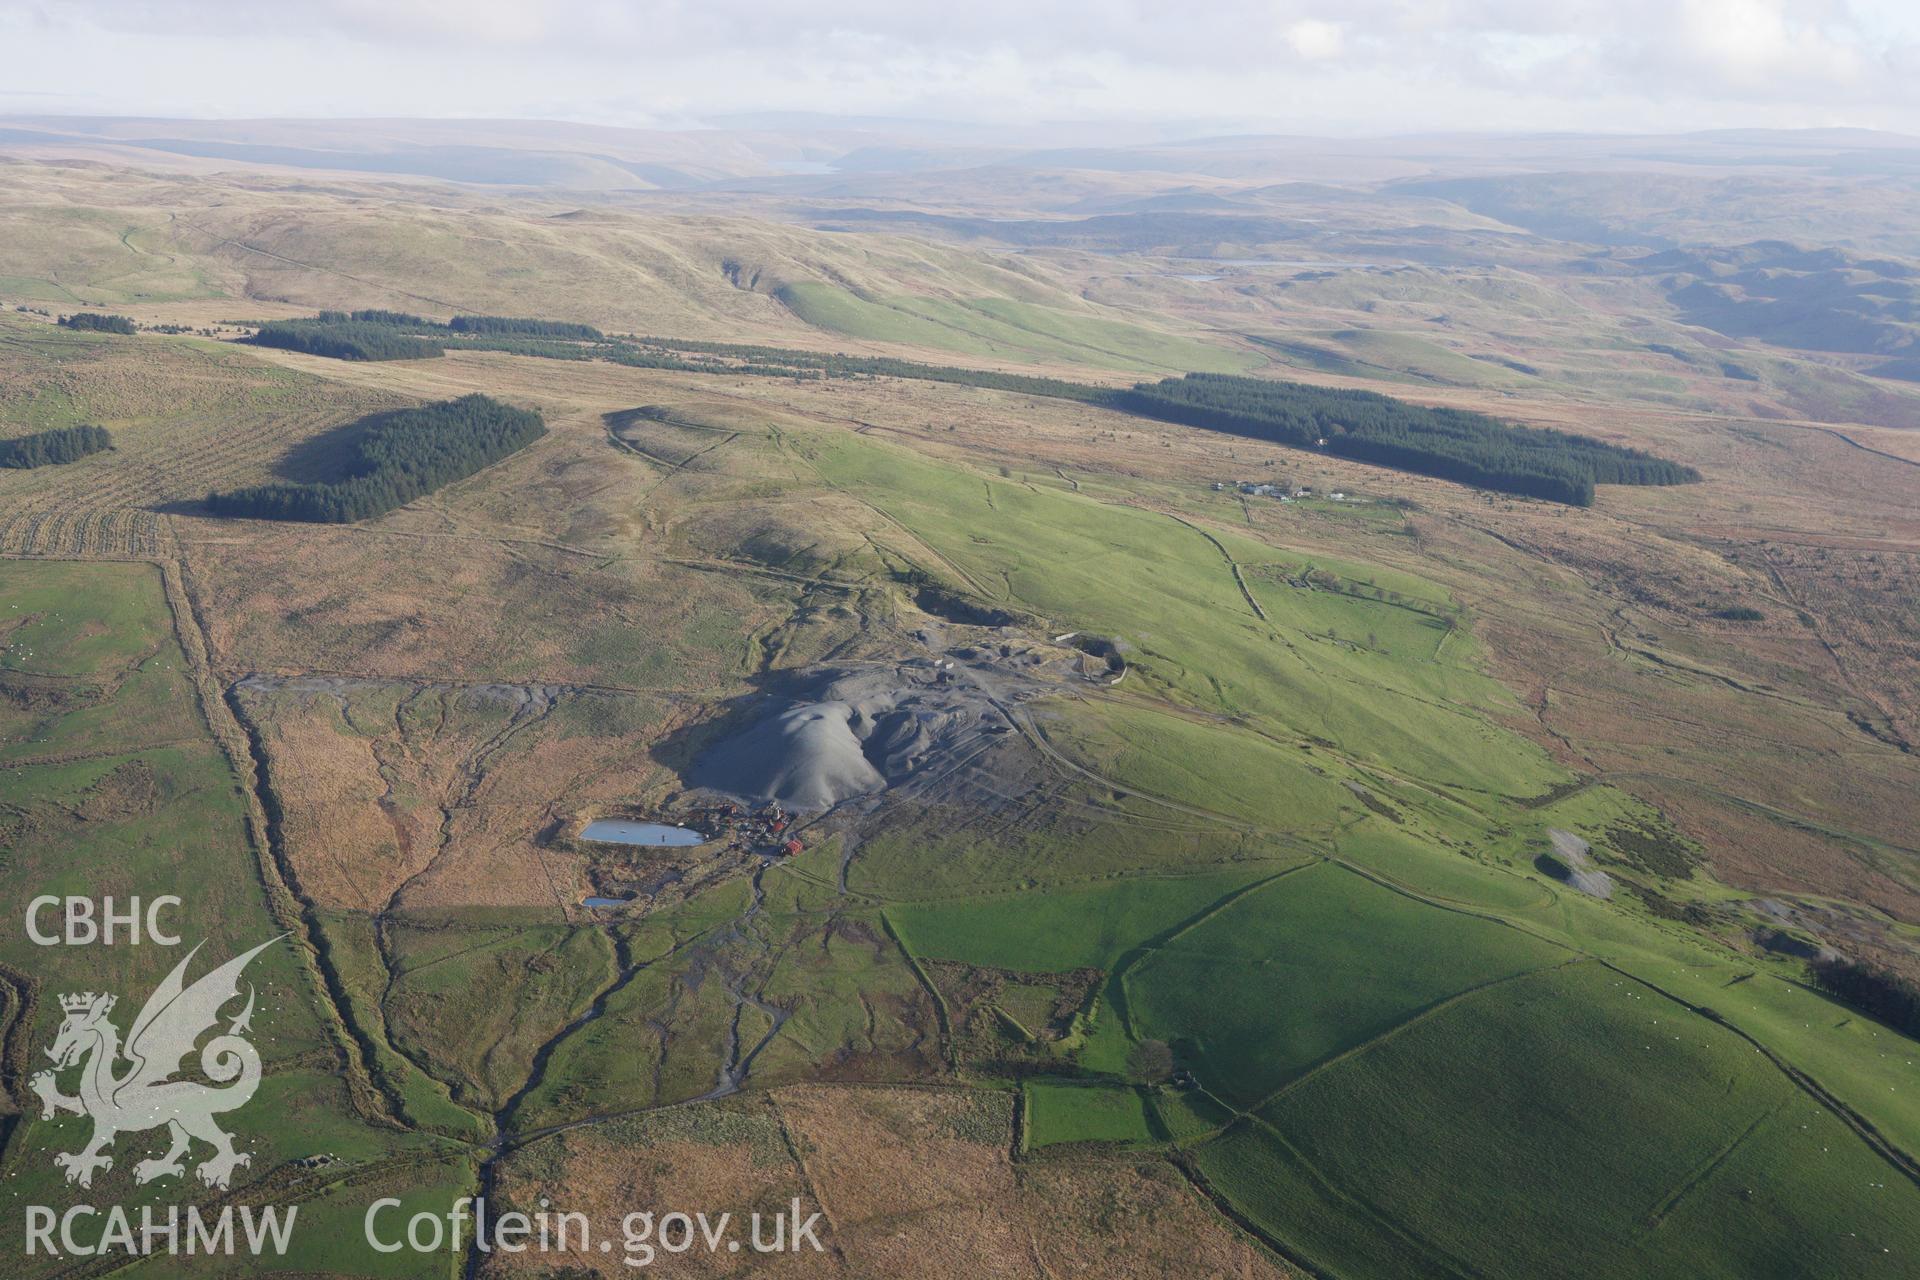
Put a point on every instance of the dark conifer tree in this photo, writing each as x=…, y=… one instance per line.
x=399, y=457
x=50, y=448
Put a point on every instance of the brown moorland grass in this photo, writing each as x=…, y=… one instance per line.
x=402, y=795
x=910, y=1183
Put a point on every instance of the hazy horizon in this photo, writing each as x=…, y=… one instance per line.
x=1373, y=68
x=960, y=132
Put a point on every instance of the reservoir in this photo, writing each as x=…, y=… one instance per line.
x=656, y=834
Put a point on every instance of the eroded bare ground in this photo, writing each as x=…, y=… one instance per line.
x=910, y=1182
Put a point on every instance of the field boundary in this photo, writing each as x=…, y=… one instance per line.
x=1239, y=580
x=239, y=743
x=1413, y=1019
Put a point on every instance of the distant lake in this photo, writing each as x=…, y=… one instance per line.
x=656, y=834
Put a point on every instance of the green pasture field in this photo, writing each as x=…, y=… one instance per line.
x=1641, y=1129
x=849, y=989
x=1184, y=621
x=423, y=1100
x=95, y=258
x=1006, y=328
x=1060, y=1112
x=1306, y=968
x=112, y=785
x=1220, y=767
x=1082, y=835
x=1327, y=977
x=1063, y=929
x=1397, y=357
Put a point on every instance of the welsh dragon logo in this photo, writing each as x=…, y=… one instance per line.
x=144, y=1095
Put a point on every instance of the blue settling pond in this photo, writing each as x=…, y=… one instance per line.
x=656, y=834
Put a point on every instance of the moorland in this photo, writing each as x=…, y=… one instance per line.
x=1331, y=858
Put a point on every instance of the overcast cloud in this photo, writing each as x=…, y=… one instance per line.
x=1368, y=66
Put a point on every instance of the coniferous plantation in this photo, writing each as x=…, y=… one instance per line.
x=1453, y=444
x=524, y=327
x=787, y=361
x=94, y=322
x=374, y=334
x=50, y=448
x=340, y=337
x=401, y=456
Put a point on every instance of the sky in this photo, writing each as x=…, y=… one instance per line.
x=1298, y=66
